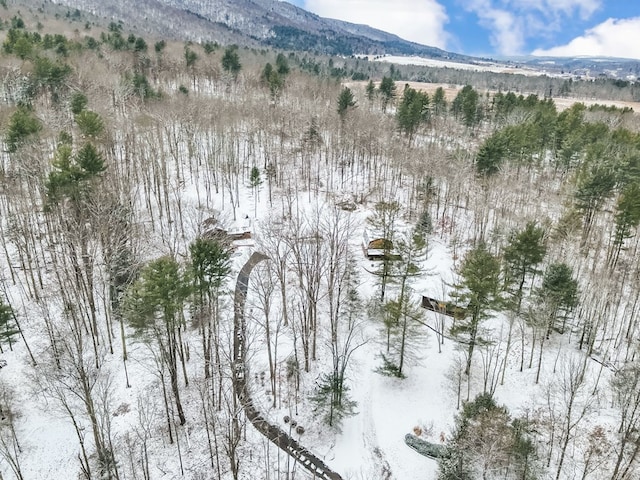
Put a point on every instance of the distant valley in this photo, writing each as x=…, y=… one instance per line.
x=281, y=25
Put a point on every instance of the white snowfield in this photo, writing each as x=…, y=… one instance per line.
x=479, y=66
x=223, y=129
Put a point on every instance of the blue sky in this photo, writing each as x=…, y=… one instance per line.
x=500, y=27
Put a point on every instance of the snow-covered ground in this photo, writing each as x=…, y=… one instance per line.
x=369, y=445
x=477, y=67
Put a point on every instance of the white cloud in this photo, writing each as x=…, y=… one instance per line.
x=507, y=34
x=612, y=38
x=511, y=23
x=419, y=21
x=551, y=8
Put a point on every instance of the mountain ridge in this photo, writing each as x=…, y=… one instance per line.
x=282, y=25
x=257, y=22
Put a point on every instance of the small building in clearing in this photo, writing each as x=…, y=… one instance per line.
x=377, y=248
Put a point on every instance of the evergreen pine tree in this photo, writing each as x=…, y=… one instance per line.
x=231, y=61
x=346, y=102
x=387, y=90
x=479, y=290
x=412, y=111
x=525, y=251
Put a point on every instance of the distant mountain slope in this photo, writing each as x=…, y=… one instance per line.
x=255, y=22
x=279, y=24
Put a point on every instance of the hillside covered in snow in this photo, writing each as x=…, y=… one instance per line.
x=226, y=263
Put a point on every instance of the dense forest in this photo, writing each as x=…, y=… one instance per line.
x=130, y=167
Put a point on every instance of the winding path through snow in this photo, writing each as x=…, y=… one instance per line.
x=274, y=433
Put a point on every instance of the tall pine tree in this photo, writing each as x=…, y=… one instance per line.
x=479, y=289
